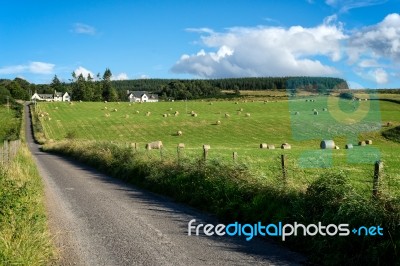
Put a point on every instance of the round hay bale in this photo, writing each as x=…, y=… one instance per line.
x=327, y=144
x=316, y=113
x=349, y=146
x=337, y=148
x=137, y=112
x=165, y=115
x=105, y=101
x=286, y=146
x=271, y=147
x=368, y=142
x=241, y=109
x=306, y=100
x=227, y=115
x=105, y=108
x=325, y=109
x=179, y=133
x=247, y=114
x=263, y=145
x=115, y=110
x=181, y=145
x=194, y=115
x=206, y=147
x=218, y=122
x=296, y=113
x=362, y=143
x=170, y=108
x=211, y=103
x=236, y=103
x=148, y=113
x=314, y=110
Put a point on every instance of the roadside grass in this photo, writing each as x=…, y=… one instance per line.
x=10, y=120
x=24, y=237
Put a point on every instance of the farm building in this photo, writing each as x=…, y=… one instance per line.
x=142, y=96
x=56, y=97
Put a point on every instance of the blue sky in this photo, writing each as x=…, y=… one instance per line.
x=355, y=40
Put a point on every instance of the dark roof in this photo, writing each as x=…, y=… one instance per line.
x=46, y=96
x=139, y=94
x=58, y=94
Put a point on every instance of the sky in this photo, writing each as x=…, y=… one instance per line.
x=355, y=40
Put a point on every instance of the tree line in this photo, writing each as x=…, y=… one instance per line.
x=102, y=88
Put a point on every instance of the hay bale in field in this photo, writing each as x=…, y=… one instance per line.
x=247, y=114
x=349, y=146
x=239, y=113
x=80, y=101
x=337, y=148
x=181, y=145
x=154, y=145
x=211, y=103
x=105, y=101
x=241, y=109
x=286, y=146
x=327, y=144
x=306, y=100
x=325, y=109
x=179, y=133
x=170, y=108
x=107, y=115
x=192, y=112
x=137, y=112
x=296, y=113
x=368, y=142
x=126, y=116
x=115, y=110
x=316, y=113
x=263, y=145
x=118, y=103
x=105, y=108
x=165, y=115
x=314, y=110
x=227, y=115
x=130, y=104
x=362, y=143
x=56, y=108
x=236, y=103
x=148, y=113
x=49, y=118
x=218, y=122
x=271, y=147
x=194, y=115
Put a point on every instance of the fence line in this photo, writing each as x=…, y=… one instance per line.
x=8, y=151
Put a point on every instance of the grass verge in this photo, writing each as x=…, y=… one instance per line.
x=392, y=134
x=38, y=131
x=24, y=238
x=233, y=193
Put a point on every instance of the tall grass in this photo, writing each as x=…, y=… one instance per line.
x=24, y=237
x=232, y=192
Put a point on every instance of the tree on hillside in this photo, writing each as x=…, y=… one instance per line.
x=17, y=92
x=109, y=93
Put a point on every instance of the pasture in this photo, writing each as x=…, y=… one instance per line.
x=242, y=127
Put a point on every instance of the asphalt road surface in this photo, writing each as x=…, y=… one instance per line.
x=98, y=220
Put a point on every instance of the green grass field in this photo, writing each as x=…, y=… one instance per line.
x=269, y=122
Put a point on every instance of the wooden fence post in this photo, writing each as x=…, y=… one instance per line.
x=235, y=156
x=283, y=163
x=5, y=151
x=205, y=151
x=378, y=168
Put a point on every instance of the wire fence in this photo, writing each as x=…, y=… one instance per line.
x=8, y=151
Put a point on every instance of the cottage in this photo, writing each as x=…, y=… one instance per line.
x=56, y=97
x=142, y=96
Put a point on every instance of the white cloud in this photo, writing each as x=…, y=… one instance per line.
x=31, y=67
x=346, y=5
x=266, y=51
x=379, y=75
x=85, y=72
x=121, y=76
x=380, y=40
x=81, y=28
x=367, y=63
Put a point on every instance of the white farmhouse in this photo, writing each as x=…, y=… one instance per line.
x=56, y=97
x=142, y=96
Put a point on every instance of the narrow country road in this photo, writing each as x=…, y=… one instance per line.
x=98, y=220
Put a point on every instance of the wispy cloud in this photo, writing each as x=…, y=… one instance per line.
x=200, y=30
x=31, y=67
x=347, y=5
x=81, y=28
